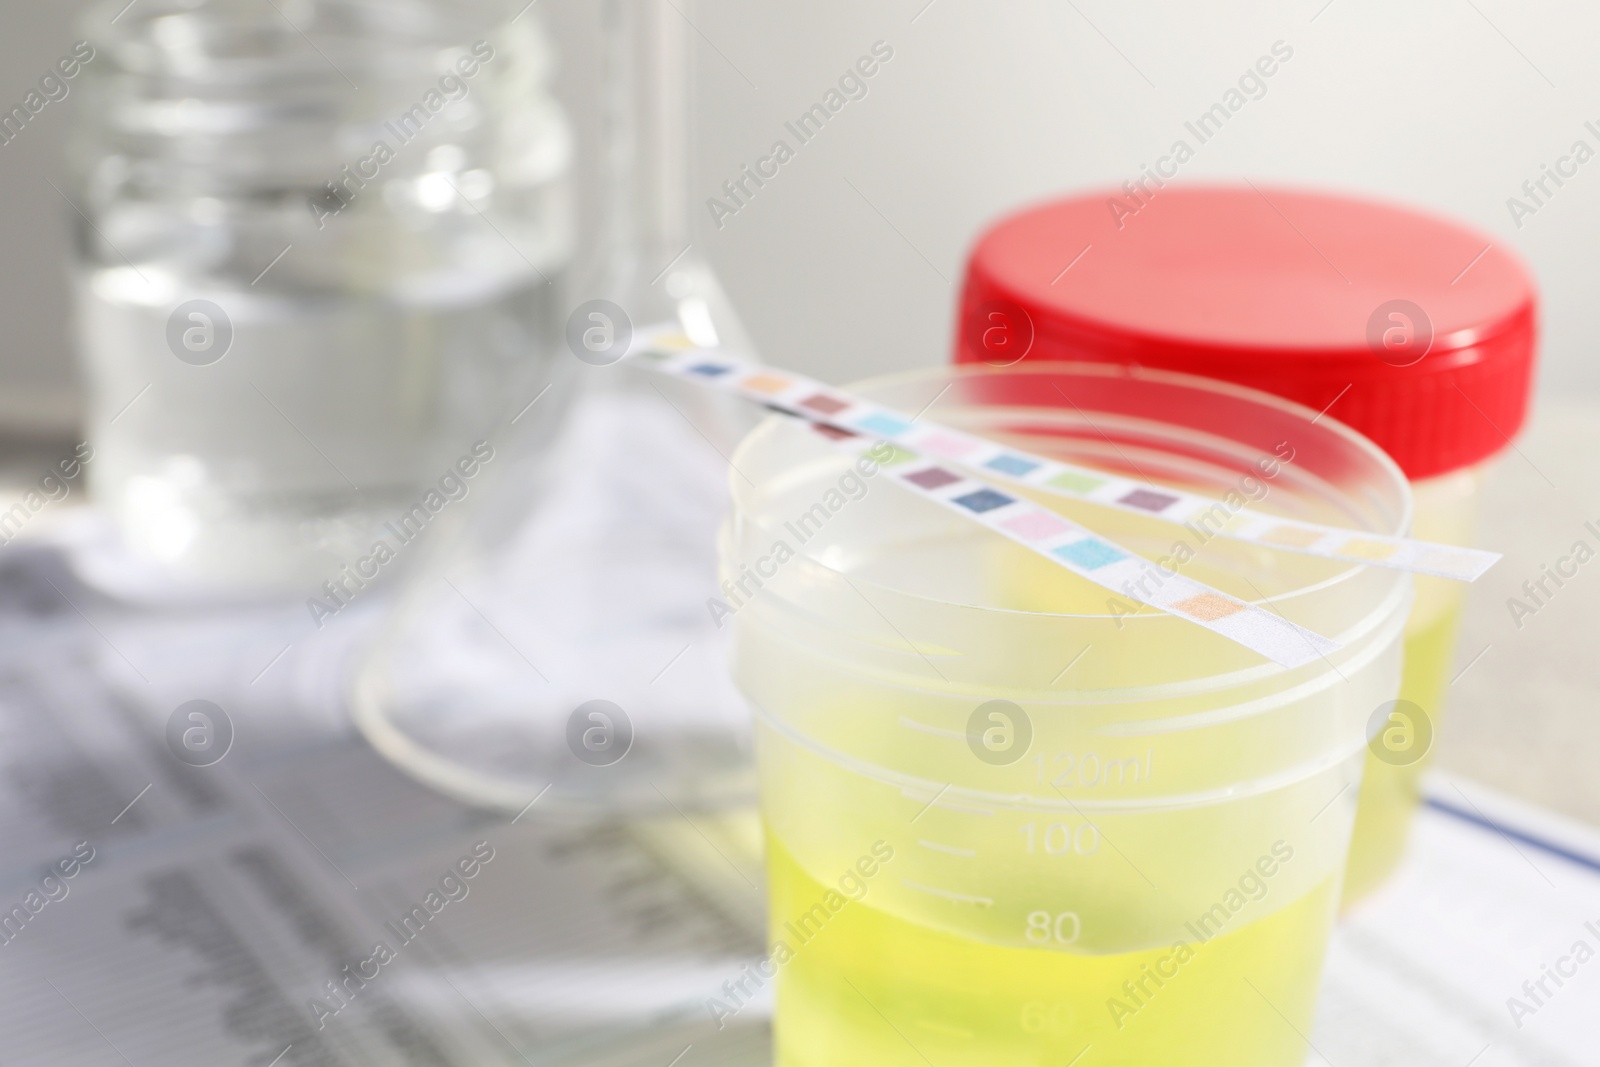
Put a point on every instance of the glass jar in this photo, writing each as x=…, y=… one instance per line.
x=319, y=248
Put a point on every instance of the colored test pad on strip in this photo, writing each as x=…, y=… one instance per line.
x=812, y=400
x=1061, y=541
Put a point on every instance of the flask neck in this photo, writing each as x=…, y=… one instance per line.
x=647, y=128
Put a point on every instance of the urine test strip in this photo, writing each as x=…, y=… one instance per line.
x=1090, y=556
x=1059, y=540
x=1205, y=517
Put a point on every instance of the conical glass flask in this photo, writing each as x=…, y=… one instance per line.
x=553, y=640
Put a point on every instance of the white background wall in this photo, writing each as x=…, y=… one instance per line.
x=1450, y=104
x=1444, y=103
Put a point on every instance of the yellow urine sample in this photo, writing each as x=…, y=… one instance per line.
x=1045, y=911
x=1390, y=793
x=1445, y=512
x=870, y=989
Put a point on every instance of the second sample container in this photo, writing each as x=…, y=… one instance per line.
x=1416, y=332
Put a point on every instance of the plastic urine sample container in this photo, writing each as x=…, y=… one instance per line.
x=1416, y=332
x=1004, y=819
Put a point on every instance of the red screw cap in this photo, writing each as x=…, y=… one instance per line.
x=1418, y=332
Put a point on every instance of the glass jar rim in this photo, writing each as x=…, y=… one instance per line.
x=392, y=46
